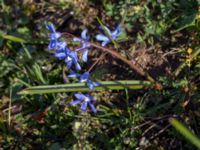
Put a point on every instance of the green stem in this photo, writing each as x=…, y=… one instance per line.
x=185, y=132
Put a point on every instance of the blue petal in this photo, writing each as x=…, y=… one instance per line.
x=61, y=45
x=92, y=107
x=79, y=96
x=119, y=28
x=84, y=56
x=73, y=74
x=84, y=106
x=84, y=77
x=73, y=103
x=84, y=35
x=51, y=28
x=96, y=84
x=89, y=96
x=78, y=67
x=55, y=35
x=52, y=44
x=101, y=37
x=104, y=43
x=60, y=55
x=91, y=86
x=60, y=51
x=69, y=61
x=68, y=64
x=67, y=50
x=68, y=58
x=117, y=32
x=77, y=40
x=73, y=55
x=86, y=44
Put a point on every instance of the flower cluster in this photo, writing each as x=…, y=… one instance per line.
x=70, y=57
x=62, y=52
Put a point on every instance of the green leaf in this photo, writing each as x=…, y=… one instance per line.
x=81, y=87
x=187, y=18
x=13, y=38
x=38, y=73
x=185, y=132
x=21, y=40
x=186, y=22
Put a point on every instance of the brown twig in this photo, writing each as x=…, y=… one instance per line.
x=154, y=119
x=97, y=61
x=160, y=132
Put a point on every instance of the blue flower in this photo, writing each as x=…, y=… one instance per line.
x=85, y=100
x=85, y=77
x=92, y=84
x=105, y=40
x=85, y=44
x=54, y=37
x=71, y=59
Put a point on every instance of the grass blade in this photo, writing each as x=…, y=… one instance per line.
x=185, y=132
x=81, y=87
x=13, y=38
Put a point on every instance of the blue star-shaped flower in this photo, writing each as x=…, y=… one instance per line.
x=54, y=37
x=85, y=44
x=70, y=57
x=105, y=39
x=85, y=100
x=85, y=77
